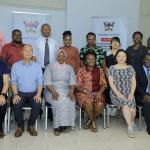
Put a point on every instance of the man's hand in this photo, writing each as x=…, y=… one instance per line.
x=16, y=99
x=37, y=98
x=146, y=98
x=2, y=100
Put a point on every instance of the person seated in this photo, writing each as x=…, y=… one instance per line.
x=142, y=93
x=122, y=81
x=27, y=83
x=4, y=84
x=60, y=80
x=91, y=84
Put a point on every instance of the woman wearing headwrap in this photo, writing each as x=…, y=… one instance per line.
x=60, y=80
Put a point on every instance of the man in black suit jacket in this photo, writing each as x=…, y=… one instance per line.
x=142, y=93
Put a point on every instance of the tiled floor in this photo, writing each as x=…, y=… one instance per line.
x=113, y=138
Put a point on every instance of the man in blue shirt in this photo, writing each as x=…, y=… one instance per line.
x=27, y=83
x=4, y=84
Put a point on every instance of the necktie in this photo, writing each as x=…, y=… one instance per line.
x=148, y=77
x=46, y=56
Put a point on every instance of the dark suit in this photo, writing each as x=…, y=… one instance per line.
x=142, y=83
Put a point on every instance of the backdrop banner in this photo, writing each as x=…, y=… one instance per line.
x=107, y=27
x=29, y=24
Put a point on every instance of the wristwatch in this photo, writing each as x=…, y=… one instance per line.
x=4, y=94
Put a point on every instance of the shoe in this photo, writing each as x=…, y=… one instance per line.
x=148, y=130
x=18, y=132
x=131, y=133
x=93, y=127
x=2, y=134
x=65, y=129
x=57, y=131
x=134, y=127
x=32, y=131
x=87, y=124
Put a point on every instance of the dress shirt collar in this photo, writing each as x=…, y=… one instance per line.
x=23, y=63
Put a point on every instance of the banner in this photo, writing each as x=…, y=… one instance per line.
x=29, y=24
x=107, y=27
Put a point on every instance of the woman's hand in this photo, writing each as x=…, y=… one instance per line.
x=98, y=96
x=55, y=95
x=130, y=97
x=71, y=95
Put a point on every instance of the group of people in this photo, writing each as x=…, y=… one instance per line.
x=66, y=77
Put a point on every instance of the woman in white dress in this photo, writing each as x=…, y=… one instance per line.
x=60, y=80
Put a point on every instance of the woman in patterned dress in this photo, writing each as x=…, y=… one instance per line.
x=60, y=80
x=122, y=82
x=91, y=84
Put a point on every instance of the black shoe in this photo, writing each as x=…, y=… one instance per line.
x=148, y=130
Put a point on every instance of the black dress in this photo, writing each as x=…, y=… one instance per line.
x=135, y=57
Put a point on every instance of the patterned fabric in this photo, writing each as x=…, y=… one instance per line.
x=91, y=81
x=99, y=54
x=64, y=108
x=122, y=80
x=73, y=57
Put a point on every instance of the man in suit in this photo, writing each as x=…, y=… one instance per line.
x=142, y=93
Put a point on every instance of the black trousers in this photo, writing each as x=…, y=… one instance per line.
x=2, y=115
x=35, y=109
x=146, y=110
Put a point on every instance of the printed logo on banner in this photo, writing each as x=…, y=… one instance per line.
x=31, y=26
x=108, y=26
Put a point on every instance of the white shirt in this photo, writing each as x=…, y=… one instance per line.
x=39, y=51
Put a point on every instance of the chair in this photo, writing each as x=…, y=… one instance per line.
x=5, y=124
x=47, y=105
x=140, y=116
x=80, y=118
x=108, y=106
x=26, y=107
x=108, y=116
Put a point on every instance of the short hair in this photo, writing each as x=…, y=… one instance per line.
x=89, y=52
x=45, y=24
x=137, y=32
x=120, y=50
x=91, y=33
x=15, y=30
x=147, y=54
x=66, y=33
x=117, y=39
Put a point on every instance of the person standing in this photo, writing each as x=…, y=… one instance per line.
x=136, y=52
x=11, y=52
x=45, y=53
x=72, y=54
x=91, y=44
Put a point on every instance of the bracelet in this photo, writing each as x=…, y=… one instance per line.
x=4, y=94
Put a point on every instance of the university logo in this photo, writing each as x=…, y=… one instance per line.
x=31, y=26
x=108, y=26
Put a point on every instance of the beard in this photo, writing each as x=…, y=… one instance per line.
x=17, y=42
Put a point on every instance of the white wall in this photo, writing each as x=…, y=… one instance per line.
x=58, y=20
x=60, y=4
x=79, y=13
x=145, y=19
